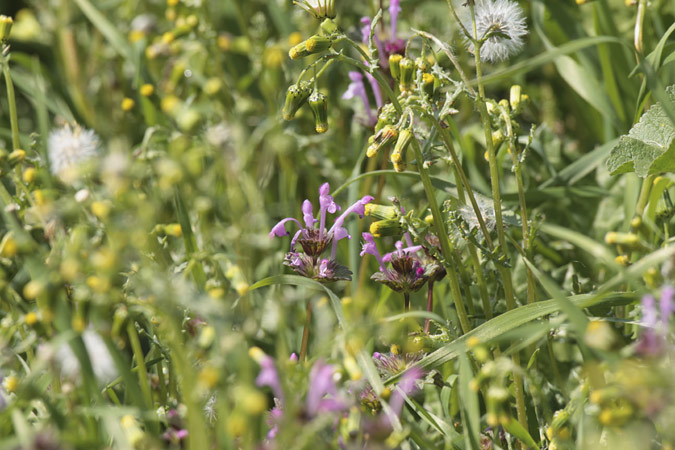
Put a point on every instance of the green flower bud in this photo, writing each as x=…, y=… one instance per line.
x=497, y=138
x=381, y=212
x=386, y=228
x=388, y=116
x=422, y=64
x=313, y=45
x=627, y=239
x=394, y=69
x=383, y=138
x=296, y=96
x=407, y=67
x=17, y=156
x=329, y=27
x=404, y=138
x=514, y=97
x=319, y=105
x=5, y=27
x=428, y=83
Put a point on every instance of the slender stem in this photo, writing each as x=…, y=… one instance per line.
x=430, y=305
x=639, y=26
x=531, y=283
x=647, y=184
x=406, y=302
x=496, y=198
x=140, y=363
x=447, y=140
x=305, y=332
x=11, y=99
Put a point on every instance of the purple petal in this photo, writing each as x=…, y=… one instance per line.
x=307, y=214
x=269, y=376
x=279, y=229
x=369, y=247
x=394, y=9
x=365, y=29
x=376, y=90
x=320, y=384
x=649, y=313
x=341, y=233
x=667, y=305
x=405, y=387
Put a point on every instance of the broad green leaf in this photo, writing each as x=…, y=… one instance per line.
x=647, y=149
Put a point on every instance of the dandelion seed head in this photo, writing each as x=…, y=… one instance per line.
x=506, y=20
x=70, y=146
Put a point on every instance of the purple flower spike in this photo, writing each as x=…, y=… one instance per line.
x=407, y=274
x=269, y=376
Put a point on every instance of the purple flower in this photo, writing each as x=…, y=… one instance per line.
x=394, y=10
x=407, y=273
x=322, y=396
x=269, y=376
x=314, y=241
x=652, y=342
x=404, y=388
x=357, y=89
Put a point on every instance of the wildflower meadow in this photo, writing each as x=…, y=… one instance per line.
x=337, y=224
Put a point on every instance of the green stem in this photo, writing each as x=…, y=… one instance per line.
x=11, y=99
x=305, y=332
x=531, y=283
x=447, y=140
x=140, y=362
x=496, y=198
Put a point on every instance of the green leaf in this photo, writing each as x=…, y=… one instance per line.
x=516, y=429
x=647, y=149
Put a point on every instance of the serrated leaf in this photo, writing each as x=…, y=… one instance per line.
x=648, y=148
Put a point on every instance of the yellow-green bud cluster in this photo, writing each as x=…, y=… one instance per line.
x=407, y=74
x=388, y=116
x=389, y=227
x=381, y=212
x=318, y=103
x=296, y=96
x=381, y=139
x=394, y=65
x=5, y=27
x=398, y=155
x=315, y=44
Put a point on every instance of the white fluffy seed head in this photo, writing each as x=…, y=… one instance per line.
x=505, y=20
x=70, y=146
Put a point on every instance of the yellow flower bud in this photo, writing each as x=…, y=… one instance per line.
x=147, y=90
x=128, y=104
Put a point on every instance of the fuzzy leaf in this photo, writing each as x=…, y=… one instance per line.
x=648, y=148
